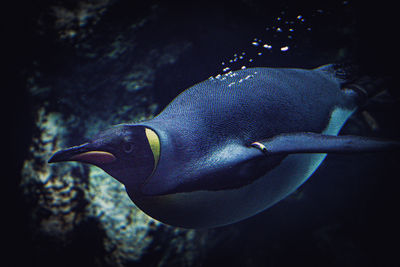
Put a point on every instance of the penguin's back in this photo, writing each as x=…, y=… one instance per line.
x=255, y=104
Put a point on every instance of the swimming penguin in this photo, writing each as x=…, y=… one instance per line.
x=230, y=147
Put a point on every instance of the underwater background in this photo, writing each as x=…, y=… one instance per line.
x=80, y=66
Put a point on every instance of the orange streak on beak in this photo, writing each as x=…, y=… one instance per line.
x=94, y=157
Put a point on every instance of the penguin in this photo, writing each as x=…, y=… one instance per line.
x=231, y=146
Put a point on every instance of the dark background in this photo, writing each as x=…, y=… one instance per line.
x=357, y=213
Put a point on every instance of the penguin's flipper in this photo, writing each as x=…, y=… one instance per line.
x=319, y=143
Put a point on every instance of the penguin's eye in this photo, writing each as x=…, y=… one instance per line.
x=128, y=147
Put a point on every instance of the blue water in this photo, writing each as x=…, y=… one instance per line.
x=88, y=67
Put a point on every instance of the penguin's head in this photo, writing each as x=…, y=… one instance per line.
x=129, y=153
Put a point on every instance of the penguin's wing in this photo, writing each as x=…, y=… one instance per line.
x=289, y=143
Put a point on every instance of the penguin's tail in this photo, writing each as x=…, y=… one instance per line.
x=372, y=90
x=378, y=95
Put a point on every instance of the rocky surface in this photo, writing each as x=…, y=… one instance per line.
x=74, y=203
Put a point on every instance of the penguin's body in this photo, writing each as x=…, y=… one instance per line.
x=229, y=147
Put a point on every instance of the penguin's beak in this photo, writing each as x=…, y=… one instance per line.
x=83, y=153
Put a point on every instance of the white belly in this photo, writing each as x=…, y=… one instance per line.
x=203, y=209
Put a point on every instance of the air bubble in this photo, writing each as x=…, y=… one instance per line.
x=267, y=46
x=284, y=48
x=229, y=74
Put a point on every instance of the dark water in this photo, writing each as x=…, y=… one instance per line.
x=86, y=65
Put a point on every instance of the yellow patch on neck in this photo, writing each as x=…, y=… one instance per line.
x=155, y=147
